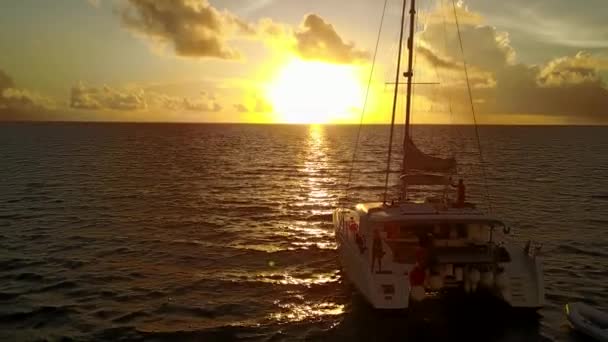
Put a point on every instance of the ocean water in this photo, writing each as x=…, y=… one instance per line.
x=223, y=232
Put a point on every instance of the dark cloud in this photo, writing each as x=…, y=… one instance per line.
x=318, y=40
x=193, y=28
x=575, y=92
x=106, y=98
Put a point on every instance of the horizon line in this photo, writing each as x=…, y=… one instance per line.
x=291, y=124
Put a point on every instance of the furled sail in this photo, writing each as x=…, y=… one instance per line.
x=425, y=179
x=418, y=160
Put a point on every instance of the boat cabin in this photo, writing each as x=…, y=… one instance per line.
x=459, y=235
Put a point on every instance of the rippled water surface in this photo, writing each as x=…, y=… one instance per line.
x=222, y=232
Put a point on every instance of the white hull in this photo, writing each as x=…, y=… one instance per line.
x=390, y=289
x=357, y=268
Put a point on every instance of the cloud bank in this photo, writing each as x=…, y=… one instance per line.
x=569, y=87
x=108, y=98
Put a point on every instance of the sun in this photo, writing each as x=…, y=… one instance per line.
x=315, y=92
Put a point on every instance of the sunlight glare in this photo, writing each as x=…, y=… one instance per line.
x=315, y=92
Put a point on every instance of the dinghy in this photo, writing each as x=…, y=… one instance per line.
x=588, y=320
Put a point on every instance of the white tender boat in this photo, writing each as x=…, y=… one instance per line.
x=378, y=242
x=588, y=320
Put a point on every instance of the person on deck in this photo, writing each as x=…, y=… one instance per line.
x=460, y=200
x=377, y=250
x=353, y=227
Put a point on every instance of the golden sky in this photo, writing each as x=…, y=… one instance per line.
x=290, y=61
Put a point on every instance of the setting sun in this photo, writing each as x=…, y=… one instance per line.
x=315, y=92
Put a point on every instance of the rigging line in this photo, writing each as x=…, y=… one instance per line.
x=415, y=76
x=442, y=6
x=466, y=73
x=390, y=141
x=369, y=81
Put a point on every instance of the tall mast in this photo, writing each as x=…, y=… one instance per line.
x=390, y=142
x=409, y=74
x=408, y=102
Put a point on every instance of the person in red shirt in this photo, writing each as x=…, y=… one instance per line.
x=417, y=276
x=353, y=226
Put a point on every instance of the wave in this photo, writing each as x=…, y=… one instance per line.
x=602, y=196
x=44, y=313
x=569, y=249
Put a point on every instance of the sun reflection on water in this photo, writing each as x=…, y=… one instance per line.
x=307, y=311
x=278, y=277
x=314, y=198
x=284, y=278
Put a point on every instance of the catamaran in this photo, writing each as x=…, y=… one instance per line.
x=379, y=243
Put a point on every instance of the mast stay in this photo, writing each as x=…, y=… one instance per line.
x=395, y=94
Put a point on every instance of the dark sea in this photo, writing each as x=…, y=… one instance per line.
x=211, y=232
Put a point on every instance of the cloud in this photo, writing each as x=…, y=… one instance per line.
x=569, y=87
x=203, y=103
x=194, y=28
x=241, y=108
x=314, y=39
x=484, y=47
x=318, y=40
x=106, y=98
x=436, y=60
x=259, y=105
x=17, y=103
x=582, y=68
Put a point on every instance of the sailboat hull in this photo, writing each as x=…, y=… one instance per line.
x=384, y=281
x=382, y=291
